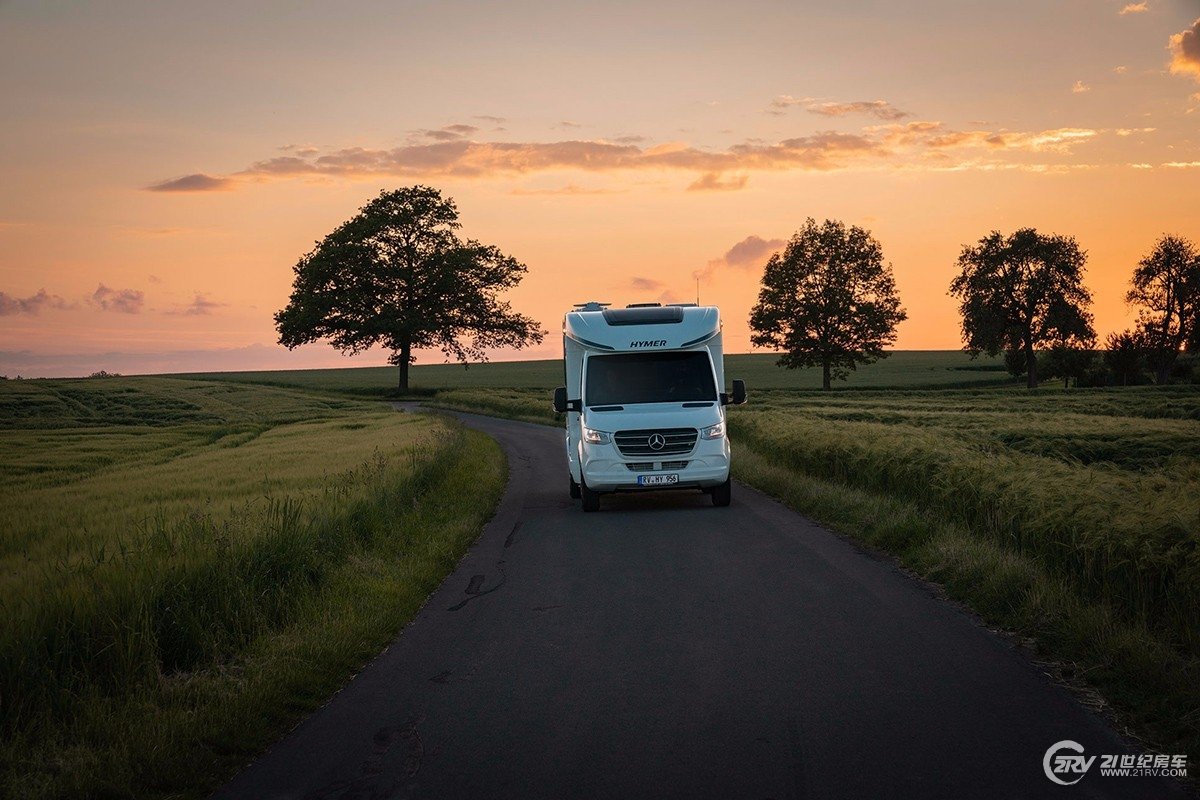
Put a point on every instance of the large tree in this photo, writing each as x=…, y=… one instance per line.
x=1020, y=293
x=1166, y=291
x=827, y=300
x=398, y=274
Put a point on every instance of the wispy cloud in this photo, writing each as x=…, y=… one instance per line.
x=201, y=306
x=911, y=145
x=449, y=133
x=491, y=119
x=645, y=284
x=750, y=252
x=1135, y=8
x=880, y=109
x=715, y=182
x=123, y=301
x=1080, y=87
x=32, y=305
x=1185, y=51
x=198, y=182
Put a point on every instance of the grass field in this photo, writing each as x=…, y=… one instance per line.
x=1071, y=517
x=186, y=567
x=903, y=368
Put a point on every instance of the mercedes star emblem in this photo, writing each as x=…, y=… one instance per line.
x=657, y=441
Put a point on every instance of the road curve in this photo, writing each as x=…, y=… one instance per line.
x=664, y=648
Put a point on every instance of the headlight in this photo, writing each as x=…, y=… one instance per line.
x=714, y=432
x=596, y=437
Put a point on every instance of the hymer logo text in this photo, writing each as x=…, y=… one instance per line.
x=649, y=343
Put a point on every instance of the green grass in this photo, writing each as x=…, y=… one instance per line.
x=1072, y=517
x=187, y=567
x=902, y=368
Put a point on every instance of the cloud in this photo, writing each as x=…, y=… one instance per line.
x=880, y=109
x=124, y=301
x=200, y=306
x=198, y=182
x=33, y=305
x=646, y=284
x=629, y=139
x=1185, y=51
x=750, y=252
x=449, y=133
x=1059, y=140
x=1131, y=131
x=566, y=123
x=713, y=181
x=491, y=119
x=1135, y=8
x=1121, y=70
x=1080, y=87
x=911, y=146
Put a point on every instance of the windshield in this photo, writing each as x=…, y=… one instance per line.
x=650, y=378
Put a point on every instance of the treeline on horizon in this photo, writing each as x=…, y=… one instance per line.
x=829, y=300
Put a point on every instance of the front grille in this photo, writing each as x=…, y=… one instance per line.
x=648, y=466
x=676, y=441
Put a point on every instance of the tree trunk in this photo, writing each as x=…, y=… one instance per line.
x=1031, y=379
x=825, y=375
x=405, y=360
x=1160, y=374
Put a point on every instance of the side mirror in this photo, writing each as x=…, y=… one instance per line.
x=562, y=405
x=739, y=392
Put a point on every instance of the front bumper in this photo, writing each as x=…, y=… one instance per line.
x=607, y=470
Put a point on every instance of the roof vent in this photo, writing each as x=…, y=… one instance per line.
x=644, y=305
x=591, y=305
x=654, y=315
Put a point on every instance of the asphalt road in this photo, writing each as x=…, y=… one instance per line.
x=664, y=648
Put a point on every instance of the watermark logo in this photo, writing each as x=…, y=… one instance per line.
x=1065, y=763
x=1056, y=763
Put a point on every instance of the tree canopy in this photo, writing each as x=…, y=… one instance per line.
x=827, y=300
x=1020, y=293
x=1166, y=290
x=399, y=275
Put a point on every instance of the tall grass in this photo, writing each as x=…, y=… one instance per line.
x=147, y=650
x=1130, y=539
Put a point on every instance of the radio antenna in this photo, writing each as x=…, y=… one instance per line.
x=697, y=290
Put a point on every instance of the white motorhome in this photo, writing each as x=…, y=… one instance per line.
x=645, y=400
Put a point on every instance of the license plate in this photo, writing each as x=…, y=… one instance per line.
x=657, y=480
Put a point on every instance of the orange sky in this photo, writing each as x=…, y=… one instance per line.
x=164, y=164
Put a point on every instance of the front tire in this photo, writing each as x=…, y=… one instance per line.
x=723, y=495
x=591, y=500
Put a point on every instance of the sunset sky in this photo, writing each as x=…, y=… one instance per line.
x=163, y=165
